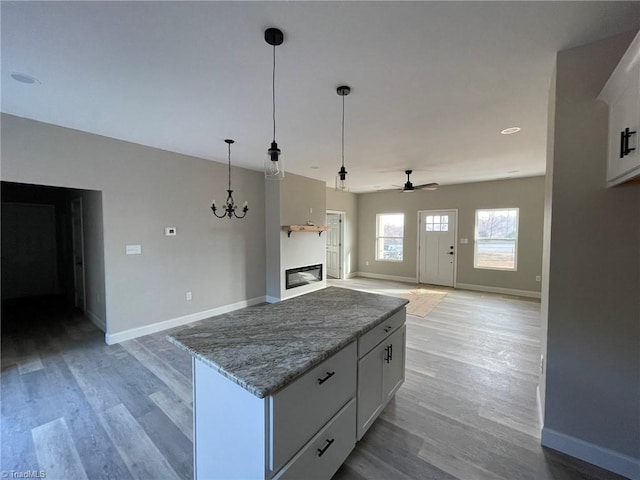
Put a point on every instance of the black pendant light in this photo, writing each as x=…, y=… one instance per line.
x=342, y=182
x=229, y=208
x=273, y=167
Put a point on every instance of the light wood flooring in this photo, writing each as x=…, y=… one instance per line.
x=76, y=408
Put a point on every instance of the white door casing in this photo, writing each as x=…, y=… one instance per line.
x=78, y=253
x=334, y=244
x=437, y=234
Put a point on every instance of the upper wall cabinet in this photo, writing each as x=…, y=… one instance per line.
x=622, y=93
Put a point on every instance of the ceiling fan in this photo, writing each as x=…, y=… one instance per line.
x=410, y=187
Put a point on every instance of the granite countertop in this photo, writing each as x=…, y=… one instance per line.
x=266, y=347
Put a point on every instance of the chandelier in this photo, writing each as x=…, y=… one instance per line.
x=230, y=207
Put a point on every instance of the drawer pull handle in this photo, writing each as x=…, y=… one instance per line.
x=329, y=375
x=387, y=329
x=389, y=353
x=322, y=450
x=624, y=142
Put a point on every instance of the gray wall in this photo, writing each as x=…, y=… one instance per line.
x=221, y=261
x=593, y=343
x=348, y=203
x=527, y=194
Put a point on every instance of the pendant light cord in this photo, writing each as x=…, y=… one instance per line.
x=343, y=131
x=229, y=165
x=274, y=92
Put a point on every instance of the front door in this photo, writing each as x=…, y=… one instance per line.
x=333, y=244
x=437, y=244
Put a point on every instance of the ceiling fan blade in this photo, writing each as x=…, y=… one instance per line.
x=428, y=186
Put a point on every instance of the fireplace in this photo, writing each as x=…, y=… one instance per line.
x=296, y=277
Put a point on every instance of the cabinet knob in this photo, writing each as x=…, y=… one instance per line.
x=387, y=329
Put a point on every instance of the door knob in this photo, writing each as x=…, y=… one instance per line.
x=450, y=253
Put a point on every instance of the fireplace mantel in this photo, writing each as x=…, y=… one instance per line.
x=304, y=228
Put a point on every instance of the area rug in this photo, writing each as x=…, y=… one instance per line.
x=423, y=299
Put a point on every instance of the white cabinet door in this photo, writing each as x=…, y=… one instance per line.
x=393, y=363
x=622, y=94
x=624, y=114
x=380, y=374
x=370, y=392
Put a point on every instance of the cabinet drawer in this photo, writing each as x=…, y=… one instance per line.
x=324, y=454
x=373, y=337
x=300, y=410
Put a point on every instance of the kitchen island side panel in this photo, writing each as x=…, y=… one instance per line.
x=230, y=428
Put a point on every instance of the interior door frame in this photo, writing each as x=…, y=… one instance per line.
x=80, y=209
x=455, y=243
x=343, y=217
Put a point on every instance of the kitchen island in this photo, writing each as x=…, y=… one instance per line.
x=284, y=390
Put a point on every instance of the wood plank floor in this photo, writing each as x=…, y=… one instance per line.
x=77, y=408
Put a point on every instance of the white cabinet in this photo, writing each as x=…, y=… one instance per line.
x=238, y=435
x=380, y=374
x=301, y=409
x=325, y=452
x=622, y=94
x=308, y=428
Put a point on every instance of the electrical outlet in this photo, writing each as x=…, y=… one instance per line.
x=538, y=278
x=367, y=263
x=189, y=296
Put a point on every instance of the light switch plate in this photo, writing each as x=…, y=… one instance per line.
x=133, y=249
x=464, y=241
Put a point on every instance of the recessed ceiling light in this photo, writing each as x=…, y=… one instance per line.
x=24, y=78
x=314, y=167
x=510, y=130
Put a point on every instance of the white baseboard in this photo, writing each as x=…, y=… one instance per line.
x=503, y=291
x=111, y=338
x=385, y=277
x=270, y=299
x=602, y=457
x=97, y=321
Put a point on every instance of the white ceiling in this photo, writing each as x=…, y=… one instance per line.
x=433, y=83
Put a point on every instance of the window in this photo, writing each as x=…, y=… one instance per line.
x=389, y=236
x=496, y=239
x=437, y=223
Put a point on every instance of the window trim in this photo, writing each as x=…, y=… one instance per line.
x=376, y=250
x=516, y=240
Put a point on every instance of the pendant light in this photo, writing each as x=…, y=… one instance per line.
x=229, y=208
x=273, y=166
x=342, y=183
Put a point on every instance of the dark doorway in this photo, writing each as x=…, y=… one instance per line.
x=43, y=252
